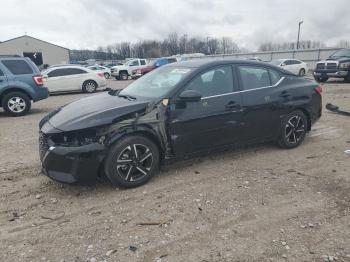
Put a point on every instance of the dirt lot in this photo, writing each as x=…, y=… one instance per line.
x=256, y=204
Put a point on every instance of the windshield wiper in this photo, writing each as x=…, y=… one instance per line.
x=129, y=97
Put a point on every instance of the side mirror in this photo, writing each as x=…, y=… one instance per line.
x=45, y=76
x=190, y=96
x=283, y=64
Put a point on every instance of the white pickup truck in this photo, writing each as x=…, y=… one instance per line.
x=122, y=72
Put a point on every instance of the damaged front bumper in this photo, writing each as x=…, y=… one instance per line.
x=72, y=165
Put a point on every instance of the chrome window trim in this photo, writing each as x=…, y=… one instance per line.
x=244, y=91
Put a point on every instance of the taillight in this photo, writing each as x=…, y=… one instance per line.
x=38, y=80
x=318, y=89
x=100, y=74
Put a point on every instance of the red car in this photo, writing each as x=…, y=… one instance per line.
x=152, y=65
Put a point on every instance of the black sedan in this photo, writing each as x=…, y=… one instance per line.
x=176, y=111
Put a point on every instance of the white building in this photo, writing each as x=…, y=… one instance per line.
x=39, y=51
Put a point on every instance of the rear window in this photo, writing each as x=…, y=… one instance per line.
x=18, y=67
x=254, y=77
x=274, y=76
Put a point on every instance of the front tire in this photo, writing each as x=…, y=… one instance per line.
x=16, y=104
x=302, y=72
x=293, y=130
x=107, y=75
x=123, y=76
x=89, y=86
x=132, y=161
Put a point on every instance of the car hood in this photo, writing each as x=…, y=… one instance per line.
x=340, y=59
x=119, y=67
x=95, y=110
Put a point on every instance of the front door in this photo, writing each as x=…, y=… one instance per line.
x=213, y=121
x=54, y=80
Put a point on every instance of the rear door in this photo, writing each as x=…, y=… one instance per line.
x=75, y=78
x=20, y=70
x=261, y=111
x=213, y=121
x=3, y=80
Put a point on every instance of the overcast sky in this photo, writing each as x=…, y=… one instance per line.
x=91, y=23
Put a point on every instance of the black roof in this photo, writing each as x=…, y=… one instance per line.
x=35, y=39
x=201, y=63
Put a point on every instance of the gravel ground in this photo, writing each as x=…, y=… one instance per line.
x=255, y=204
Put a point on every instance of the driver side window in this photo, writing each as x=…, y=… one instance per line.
x=216, y=81
x=134, y=63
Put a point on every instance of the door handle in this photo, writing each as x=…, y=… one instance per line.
x=233, y=105
x=284, y=94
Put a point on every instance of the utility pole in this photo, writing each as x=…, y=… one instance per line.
x=208, y=48
x=299, y=34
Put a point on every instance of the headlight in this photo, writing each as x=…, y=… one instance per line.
x=77, y=138
x=344, y=65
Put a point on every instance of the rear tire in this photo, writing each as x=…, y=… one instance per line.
x=89, y=86
x=107, y=76
x=293, y=130
x=302, y=72
x=132, y=161
x=16, y=104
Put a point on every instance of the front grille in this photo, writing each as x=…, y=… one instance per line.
x=331, y=66
x=43, y=145
x=327, y=66
x=320, y=66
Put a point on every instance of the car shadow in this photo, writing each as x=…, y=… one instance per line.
x=33, y=111
x=103, y=185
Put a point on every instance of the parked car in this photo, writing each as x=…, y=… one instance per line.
x=43, y=67
x=20, y=83
x=122, y=72
x=110, y=65
x=337, y=65
x=105, y=70
x=136, y=73
x=292, y=65
x=177, y=110
x=73, y=78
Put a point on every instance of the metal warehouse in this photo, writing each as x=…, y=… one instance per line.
x=39, y=51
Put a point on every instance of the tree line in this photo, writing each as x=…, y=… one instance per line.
x=174, y=44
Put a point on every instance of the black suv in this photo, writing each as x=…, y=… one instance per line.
x=337, y=65
x=20, y=83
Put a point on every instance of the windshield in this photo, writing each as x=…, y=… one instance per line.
x=341, y=53
x=157, y=83
x=276, y=62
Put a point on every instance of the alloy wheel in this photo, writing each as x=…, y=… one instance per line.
x=90, y=87
x=134, y=162
x=16, y=104
x=294, y=129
